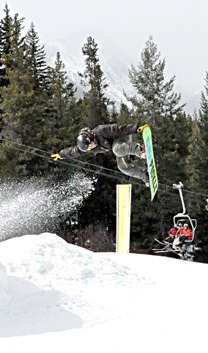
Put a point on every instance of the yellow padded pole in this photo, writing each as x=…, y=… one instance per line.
x=123, y=217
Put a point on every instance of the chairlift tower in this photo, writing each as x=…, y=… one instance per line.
x=179, y=188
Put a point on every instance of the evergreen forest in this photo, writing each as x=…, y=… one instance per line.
x=40, y=114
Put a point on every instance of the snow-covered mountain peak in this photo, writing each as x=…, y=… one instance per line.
x=115, y=68
x=115, y=64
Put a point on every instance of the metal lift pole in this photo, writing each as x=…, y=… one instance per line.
x=179, y=187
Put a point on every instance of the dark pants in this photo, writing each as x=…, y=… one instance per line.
x=122, y=148
x=183, y=239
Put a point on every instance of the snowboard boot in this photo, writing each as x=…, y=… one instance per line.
x=147, y=184
x=146, y=181
x=142, y=151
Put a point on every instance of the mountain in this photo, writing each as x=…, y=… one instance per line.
x=115, y=63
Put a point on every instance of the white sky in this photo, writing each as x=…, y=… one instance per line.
x=57, y=297
x=179, y=28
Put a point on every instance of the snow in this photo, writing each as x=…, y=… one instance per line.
x=56, y=296
x=33, y=205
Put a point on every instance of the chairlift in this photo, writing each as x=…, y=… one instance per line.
x=182, y=217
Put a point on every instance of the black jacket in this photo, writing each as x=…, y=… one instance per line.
x=104, y=136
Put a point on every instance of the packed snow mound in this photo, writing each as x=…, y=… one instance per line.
x=46, y=257
x=51, y=285
x=4, y=290
x=56, y=296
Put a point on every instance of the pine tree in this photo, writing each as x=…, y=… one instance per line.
x=155, y=97
x=11, y=57
x=5, y=42
x=156, y=104
x=10, y=43
x=95, y=110
x=23, y=104
x=65, y=121
x=159, y=106
x=193, y=165
x=16, y=107
x=203, y=111
x=124, y=116
x=37, y=59
x=197, y=164
x=95, y=103
x=203, y=125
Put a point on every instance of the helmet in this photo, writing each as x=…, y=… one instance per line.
x=83, y=142
x=85, y=130
x=185, y=225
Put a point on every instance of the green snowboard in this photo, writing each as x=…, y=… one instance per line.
x=150, y=159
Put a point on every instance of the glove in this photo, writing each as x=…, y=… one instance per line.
x=56, y=156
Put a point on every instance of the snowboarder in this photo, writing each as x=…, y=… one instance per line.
x=108, y=137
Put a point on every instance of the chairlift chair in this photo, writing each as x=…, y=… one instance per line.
x=182, y=217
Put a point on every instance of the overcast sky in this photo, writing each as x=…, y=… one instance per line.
x=179, y=28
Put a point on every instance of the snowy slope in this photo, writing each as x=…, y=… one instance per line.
x=55, y=296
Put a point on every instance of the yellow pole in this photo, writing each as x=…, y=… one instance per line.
x=123, y=217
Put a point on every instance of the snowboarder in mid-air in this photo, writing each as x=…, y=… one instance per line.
x=108, y=137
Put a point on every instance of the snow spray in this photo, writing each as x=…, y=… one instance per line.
x=34, y=205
